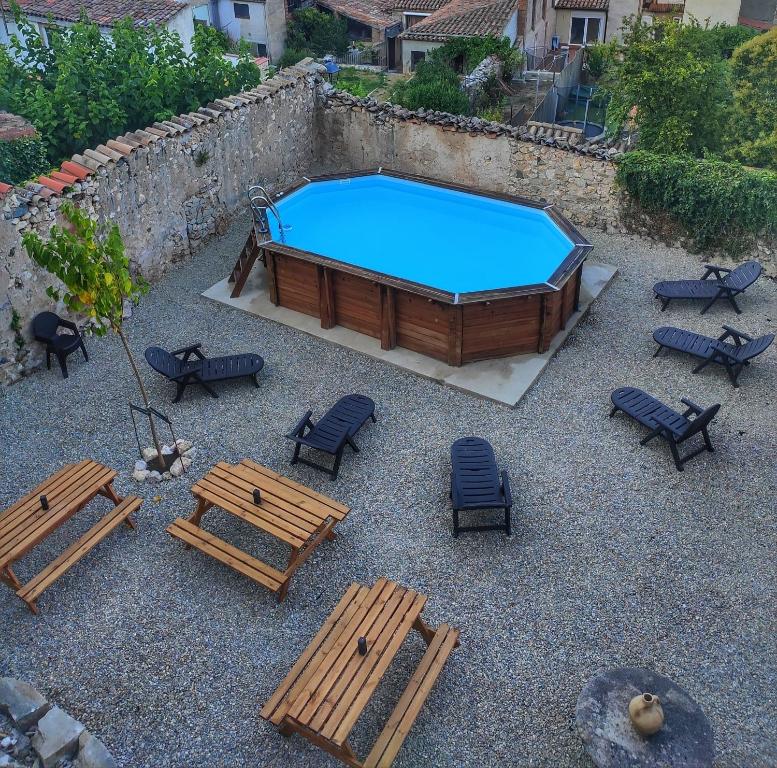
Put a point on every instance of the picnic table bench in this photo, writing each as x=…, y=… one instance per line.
x=25, y=524
x=292, y=513
x=331, y=684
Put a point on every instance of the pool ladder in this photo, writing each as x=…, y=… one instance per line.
x=260, y=235
x=261, y=202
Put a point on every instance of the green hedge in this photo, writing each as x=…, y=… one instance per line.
x=717, y=202
x=21, y=159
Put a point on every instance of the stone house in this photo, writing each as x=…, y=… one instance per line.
x=758, y=14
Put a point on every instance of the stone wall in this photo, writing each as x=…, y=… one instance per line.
x=580, y=179
x=168, y=188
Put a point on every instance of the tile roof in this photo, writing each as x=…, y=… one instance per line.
x=582, y=5
x=424, y=6
x=463, y=18
x=373, y=14
x=652, y=7
x=105, y=12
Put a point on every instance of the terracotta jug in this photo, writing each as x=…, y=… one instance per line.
x=646, y=714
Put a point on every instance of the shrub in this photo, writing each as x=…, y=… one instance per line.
x=21, y=159
x=435, y=86
x=293, y=55
x=84, y=88
x=470, y=51
x=752, y=135
x=598, y=57
x=313, y=30
x=715, y=201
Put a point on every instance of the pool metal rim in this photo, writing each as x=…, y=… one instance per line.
x=578, y=254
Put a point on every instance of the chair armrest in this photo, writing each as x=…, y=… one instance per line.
x=506, y=489
x=187, y=352
x=719, y=349
x=692, y=407
x=69, y=324
x=299, y=429
x=736, y=335
x=711, y=269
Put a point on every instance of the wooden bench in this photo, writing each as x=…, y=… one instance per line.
x=225, y=553
x=118, y=515
x=409, y=706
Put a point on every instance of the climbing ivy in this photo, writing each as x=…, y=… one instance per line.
x=21, y=159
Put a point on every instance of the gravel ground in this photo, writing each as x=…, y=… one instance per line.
x=616, y=558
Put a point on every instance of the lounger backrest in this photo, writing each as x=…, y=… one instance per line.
x=701, y=421
x=44, y=326
x=743, y=276
x=752, y=348
x=163, y=362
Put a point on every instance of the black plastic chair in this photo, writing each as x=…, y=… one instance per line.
x=45, y=329
x=476, y=483
x=733, y=357
x=179, y=367
x=727, y=284
x=665, y=422
x=333, y=432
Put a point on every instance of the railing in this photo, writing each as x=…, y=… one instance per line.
x=369, y=56
x=563, y=84
x=543, y=59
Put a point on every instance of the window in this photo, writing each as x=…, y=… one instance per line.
x=415, y=58
x=544, y=9
x=414, y=18
x=533, y=12
x=586, y=29
x=241, y=10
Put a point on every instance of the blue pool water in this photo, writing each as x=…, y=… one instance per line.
x=449, y=240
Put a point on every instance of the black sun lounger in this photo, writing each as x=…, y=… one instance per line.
x=665, y=422
x=333, y=432
x=476, y=483
x=183, y=371
x=727, y=284
x=733, y=357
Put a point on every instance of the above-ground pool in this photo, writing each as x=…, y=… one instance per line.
x=453, y=273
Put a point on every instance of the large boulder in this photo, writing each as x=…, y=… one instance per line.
x=92, y=753
x=57, y=737
x=22, y=703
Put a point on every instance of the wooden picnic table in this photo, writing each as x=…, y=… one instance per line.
x=24, y=525
x=329, y=687
x=292, y=513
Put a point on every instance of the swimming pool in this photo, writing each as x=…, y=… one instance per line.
x=454, y=273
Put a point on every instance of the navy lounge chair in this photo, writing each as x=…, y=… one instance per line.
x=723, y=286
x=180, y=368
x=476, y=483
x=45, y=329
x=734, y=357
x=333, y=432
x=665, y=422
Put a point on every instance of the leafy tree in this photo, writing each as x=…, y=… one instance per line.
x=598, y=57
x=676, y=77
x=293, y=55
x=318, y=32
x=752, y=134
x=84, y=88
x=21, y=159
x=467, y=52
x=95, y=271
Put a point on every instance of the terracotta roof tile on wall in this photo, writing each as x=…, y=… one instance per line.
x=463, y=18
x=424, y=6
x=373, y=14
x=105, y=12
x=583, y=5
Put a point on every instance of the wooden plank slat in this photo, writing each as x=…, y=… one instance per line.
x=412, y=699
x=336, y=620
x=41, y=488
x=332, y=663
x=257, y=516
x=350, y=707
x=336, y=506
x=349, y=696
x=33, y=588
x=33, y=528
x=227, y=554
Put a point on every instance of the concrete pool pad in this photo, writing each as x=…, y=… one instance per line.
x=505, y=379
